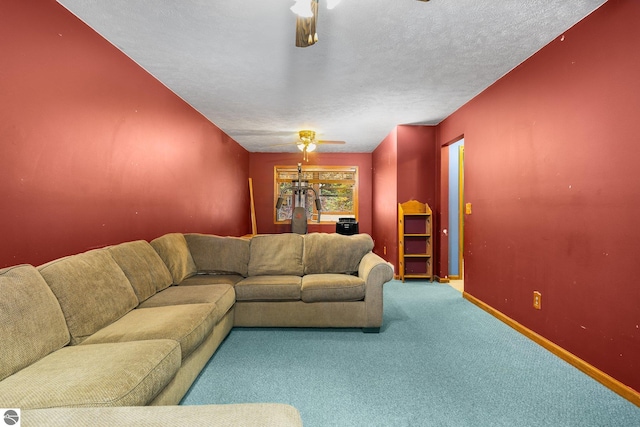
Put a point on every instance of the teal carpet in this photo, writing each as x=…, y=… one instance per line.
x=438, y=361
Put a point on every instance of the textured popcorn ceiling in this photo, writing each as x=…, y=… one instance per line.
x=378, y=63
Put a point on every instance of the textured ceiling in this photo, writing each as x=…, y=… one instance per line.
x=378, y=63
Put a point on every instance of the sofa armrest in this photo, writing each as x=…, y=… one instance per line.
x=376, y=272
x=373, y=269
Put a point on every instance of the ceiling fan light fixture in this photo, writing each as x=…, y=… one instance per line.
x=310, y=146
x=302, y=8
x=332, y=3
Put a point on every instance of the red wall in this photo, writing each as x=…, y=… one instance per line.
x=385, y=198
x=95, y=151
x=261, y=172
x=417, y=164
x=551, y=167
x=404, y=168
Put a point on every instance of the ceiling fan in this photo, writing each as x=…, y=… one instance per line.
x=307, y=18
x=307, y=143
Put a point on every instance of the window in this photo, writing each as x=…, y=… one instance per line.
x=335, y=186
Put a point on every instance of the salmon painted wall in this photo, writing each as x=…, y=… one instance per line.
x=96, y=151
x=551, y=168
x=261, y=173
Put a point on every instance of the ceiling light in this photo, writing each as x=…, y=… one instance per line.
x=310, y=146
x=332, y=3
x=302, y=8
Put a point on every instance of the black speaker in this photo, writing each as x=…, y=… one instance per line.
x=347, y=226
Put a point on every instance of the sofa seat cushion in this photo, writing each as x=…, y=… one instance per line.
x=143, y=267
x=276, y=254
x=122, y=374
x=335, y=253
x=269, y=288
x=218, y=254
x=175, y=253
x=92, y=290
x=189, y=324
x=32, y=322
x=212, y=279
x=332, y=287
x=223, y=296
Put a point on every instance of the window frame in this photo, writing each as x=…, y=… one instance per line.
x=315, y=184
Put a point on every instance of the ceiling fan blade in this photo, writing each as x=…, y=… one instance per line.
x=330, y=142
x=288, y=144
x=306, y=34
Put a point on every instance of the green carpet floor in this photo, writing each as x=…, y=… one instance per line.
x=438, y=361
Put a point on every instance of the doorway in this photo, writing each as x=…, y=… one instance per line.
x=453, y=203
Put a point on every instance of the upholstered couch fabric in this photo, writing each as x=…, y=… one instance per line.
x=32, y=322
x=276, y=255
x=219, y=255
x=174, y=251
x=335, y=253
x=241, y=415
x=223, y=296
x=187, y=324
x=269, y=288
x=332, y=287
x=94, y=375
x=144, y=268
x=92, y=290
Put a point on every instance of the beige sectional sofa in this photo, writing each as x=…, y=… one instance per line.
x=134, y=324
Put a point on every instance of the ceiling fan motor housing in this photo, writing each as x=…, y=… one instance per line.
x=307, y=135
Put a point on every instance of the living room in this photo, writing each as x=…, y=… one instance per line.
x=549, y=168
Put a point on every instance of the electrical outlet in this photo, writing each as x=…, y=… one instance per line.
x=537, y=300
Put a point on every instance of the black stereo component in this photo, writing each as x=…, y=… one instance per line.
x=347, y=226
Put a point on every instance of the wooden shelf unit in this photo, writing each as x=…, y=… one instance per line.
x=414, y=241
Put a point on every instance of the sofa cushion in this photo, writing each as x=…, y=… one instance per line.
x=212, y=279
x=332, y=287
x=269, y=288
x=92, y=290
x=143, y=267
x=276, y=254
x=334, y=253
x=223, y=296
x=120, y=374
x=189, y=324
x=32, y=322
x=174, y=251
x=216, y=254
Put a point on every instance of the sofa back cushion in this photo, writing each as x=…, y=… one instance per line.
x=219, y=255
x=92, y=290
x=276, y=254
x=32, y=322
x=335, y=253
x=174, y=251
x=144, y=268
